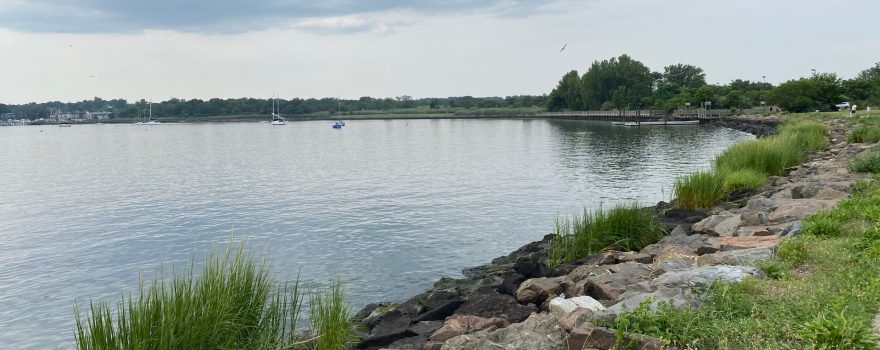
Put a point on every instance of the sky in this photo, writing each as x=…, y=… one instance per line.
x=69, y=50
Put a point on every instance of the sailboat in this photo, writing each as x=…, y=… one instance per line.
x=339, y=123
x=150, y=121
x=277, y=119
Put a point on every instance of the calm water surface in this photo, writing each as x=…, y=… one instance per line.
x=387, y=206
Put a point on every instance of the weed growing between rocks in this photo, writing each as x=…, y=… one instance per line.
x=827, y=305
x=866, y=163
x=864, y=134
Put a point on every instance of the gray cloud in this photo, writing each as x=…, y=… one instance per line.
x=229, y=16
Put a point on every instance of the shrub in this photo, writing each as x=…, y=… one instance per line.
x=839, y=332
x=866, y=163
x=625, y=227
x=773, y=269
x=702, y=189
x=864, y=134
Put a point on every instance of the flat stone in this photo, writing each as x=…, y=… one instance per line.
x=576, y=318
x=539, y=331
x=705, y=275
x=465, y=324
x=607, y=282
x=496, y=305
x=536, y=290
x=829, y=193
x=637, y=257
x=761, y=204
x=805, y=190
x=589, y=336
x=736, y=257
x=723, y=225
x=754, y=218
x=797, y=209
x=735, y=243
x=560, y=307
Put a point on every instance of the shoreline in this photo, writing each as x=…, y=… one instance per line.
x=515, y=290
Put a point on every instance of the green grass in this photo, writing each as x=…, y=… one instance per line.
x=625, y=227
x=702, y=189
x=866, y=163
x=748, y=164
x=330, y=319
x=232, y=303
x=824, y=293
x=865, y=134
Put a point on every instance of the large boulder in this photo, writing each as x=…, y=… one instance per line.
x=723, y=225
x=607, y=282
x=736, y=243
x=539, y=331
x=761, y=204
x=797, y=209
x=466, y=324
x=393, y=326
x=701, y=244
x=493, y=304
x=805, y=190
x=589, y=336
x=536, y=290
x=704, y=276
x=736, y=257
x=560, y=307
x=576, y=318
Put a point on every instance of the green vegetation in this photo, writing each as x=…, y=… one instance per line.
x=625, y=227
x=702, y=189
x=625, y=83
x=866, y=163
x=823, y=292
x=747, y=164
x=331, y=319
x=233, y=303
x=865, y=134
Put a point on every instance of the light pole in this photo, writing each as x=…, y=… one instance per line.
x=764, y=105
x=764, y=79
x=687, y=110
x=813, y=71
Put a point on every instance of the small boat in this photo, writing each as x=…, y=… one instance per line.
x=277, y=119
x=339, y=124
x=631, y=124
x=682, y=122
x=618, y=123
x=64, y=125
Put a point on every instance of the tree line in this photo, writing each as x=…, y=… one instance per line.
x=194, y=108
x=625, y=83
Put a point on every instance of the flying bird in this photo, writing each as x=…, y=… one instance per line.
x=563, y=48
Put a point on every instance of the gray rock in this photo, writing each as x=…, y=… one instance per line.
x=723, y=224
x=496, y=305
x=736, y=257
x=793, y=230
x=704, y=275
x=560, y=307
x=754, y=218
x=539, y=331
x=588, y=336
x=607, y=282
x=761, y=204
x=536, y=290
x=807, y=190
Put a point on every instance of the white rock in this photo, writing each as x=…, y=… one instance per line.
x=560, y=307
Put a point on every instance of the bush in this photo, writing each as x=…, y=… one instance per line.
x=330, y=318
x=622, y=227
x=702, y=189
x=864, y=134
x=866, y=163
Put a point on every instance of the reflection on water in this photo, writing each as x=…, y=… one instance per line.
x=388, y=206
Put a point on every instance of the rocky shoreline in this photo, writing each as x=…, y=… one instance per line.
x=518, y=302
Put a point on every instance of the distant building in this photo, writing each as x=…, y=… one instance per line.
x=97, y=115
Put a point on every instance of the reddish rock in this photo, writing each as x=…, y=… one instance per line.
x=734, y=243
x=465, y=324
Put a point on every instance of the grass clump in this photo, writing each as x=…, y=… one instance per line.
x=624, y=227
x=866, y=163
x=743, y=178
x=823, y=224
x=864, y=134
x=701, y=189
x=330, y=319
x=232, y=303
x=823, y=294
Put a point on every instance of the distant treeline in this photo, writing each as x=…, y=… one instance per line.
x=179, y=108
x=625, y=83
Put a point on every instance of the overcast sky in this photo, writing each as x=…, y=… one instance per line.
x=76, y=49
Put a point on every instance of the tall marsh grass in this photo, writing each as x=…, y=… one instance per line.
x=330, y=318
x=625, y=227
x=747, y=164
x=232, y=303
x=864, y=134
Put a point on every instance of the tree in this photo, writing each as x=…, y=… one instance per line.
x=684, y=75
x=872, y=73
x=605, y=78
x=568, y=94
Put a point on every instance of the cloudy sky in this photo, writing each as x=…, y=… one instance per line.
x=156, y=49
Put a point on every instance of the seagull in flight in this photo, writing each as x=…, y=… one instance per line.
x=563, y=48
